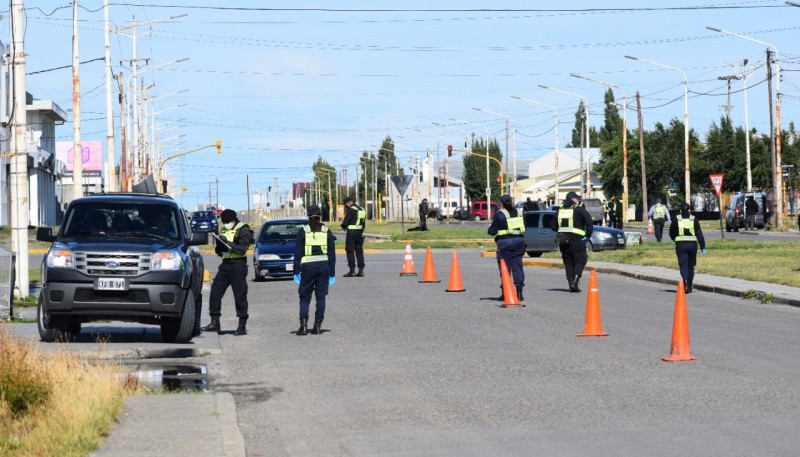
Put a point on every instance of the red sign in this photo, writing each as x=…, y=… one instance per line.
x=716, y=181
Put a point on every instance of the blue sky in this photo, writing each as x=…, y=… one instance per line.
x=282, y=83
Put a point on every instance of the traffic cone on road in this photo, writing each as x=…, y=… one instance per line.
x=429, y=272
x=594, y=326
x=509, y=291
x=679, y=350
x=650, y=229
x=455, y=284
x=408, y=262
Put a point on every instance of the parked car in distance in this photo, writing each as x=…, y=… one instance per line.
x=540, y=238
x=480, y=210
x=204, y=221
x=122, y=257
x=735, y=217
x=462, y=213
x=595, y=208
x=273, y=254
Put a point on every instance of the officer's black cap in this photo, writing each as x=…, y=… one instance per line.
x=314, y=211
x=349, y=199
x=228, y=215
x=505, y=198
x=572, y=195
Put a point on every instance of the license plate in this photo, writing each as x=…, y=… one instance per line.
x=289, y=267
x=110, y=284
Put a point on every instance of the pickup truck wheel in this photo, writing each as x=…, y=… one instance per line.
x=257, y=277
x=589, y=247
x=477, y=218
x=52, y=328
x=180, y=330
x=535, y=253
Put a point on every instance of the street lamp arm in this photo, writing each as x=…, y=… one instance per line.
x=218, y=145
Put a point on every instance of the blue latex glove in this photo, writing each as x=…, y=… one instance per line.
x=297, y=278
x=331, y=280
x=703, y=252
x=585, y=239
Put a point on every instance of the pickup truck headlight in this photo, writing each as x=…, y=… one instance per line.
x=268, y=257
x=604, y=236
x=60, y=258
x=165, y=260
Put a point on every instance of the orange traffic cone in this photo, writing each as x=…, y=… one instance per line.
x=509, y=291
x=429, y=273
x=408, y=262
x=650, y=229
x=593, y=325
x=679, y=350
x=455, y=284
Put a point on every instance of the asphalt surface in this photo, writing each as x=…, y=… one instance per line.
x=407, y=369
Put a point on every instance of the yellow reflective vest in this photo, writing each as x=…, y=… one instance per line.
x=516, y=225
x=686, y=229
x=315, y=239
x=566, y=222
x=229, y=235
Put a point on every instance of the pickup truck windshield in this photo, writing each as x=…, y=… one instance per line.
x=113, y=219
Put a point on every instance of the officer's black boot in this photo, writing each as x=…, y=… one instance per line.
x=350, y=273
x=502, y=296
x=242, y=328
x=574, y=286
x=519, y=293
x=317, y=328
x=303, y=326
x=687, y=287
x=213, y=326
x=569, y=283
x=360, y=273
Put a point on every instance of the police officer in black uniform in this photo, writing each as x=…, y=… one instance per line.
x=423, y=215
x=574, y=226
x=315, y=262
x=236, y=238
x=686, y=234
x=353, y=223
x=508, y=229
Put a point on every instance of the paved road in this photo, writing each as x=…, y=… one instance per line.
x=407, y=369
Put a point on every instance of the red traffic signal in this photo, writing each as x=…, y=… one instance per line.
x=449, y=150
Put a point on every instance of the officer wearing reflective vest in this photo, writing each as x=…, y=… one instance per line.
x=353, y=223
x=236, y=238
x=660, y=215
x=573, y=225
x=686, y=234
x=314, y=266
x=508, y=229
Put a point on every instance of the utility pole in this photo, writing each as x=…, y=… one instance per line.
x=123, y=159
x=776, y=171
x=641, y=154
x=77, y=156
x=111, y=173
x=728, y=106
x=20, y=212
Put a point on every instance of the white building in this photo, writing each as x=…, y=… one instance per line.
x=541, y=181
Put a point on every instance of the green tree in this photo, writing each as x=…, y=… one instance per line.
x=326, y=179
x=594, y=138
x=613, y=122
x=475, y=170
x=368, y=170
x=387, y=164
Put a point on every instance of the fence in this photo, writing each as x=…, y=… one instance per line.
x=7, y=278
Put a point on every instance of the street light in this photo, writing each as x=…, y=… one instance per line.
x=488, y=184
x=775, y=134
x=555, y=153
x=624, y=144
x=686, y=176
x=585, y=127
x=512, y=190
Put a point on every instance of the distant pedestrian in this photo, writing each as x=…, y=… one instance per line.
x=315, y=267
x=236, y=238
x=750, y=211
x=615, y=213
x=530, y=205
x=423, y=215
x=508, y=229
x=353, y=223
x=687, y=234
x=660, y=215
x=574, y=226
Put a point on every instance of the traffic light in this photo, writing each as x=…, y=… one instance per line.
x=584, y=188
x=219, y=146
x=449, y=150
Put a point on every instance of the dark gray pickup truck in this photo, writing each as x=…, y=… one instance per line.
x=128, y=257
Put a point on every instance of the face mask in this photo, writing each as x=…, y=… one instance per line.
x=228, y=226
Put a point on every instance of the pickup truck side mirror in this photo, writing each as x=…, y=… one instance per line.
x=45, y=234
x=198, y=239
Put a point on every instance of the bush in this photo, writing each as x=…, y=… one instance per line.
x=23, y=384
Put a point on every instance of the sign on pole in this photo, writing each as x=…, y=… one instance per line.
x=716, y=181
x=402, y=182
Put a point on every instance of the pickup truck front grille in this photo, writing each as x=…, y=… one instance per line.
x=112, y=263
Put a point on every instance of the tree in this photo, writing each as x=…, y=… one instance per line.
x=367, y=177
x=475, y=170
x=594, y=138
x=387, y=164
x=613, y=122
x=326, y=180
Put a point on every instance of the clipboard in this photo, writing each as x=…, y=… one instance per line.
x=220, y=239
